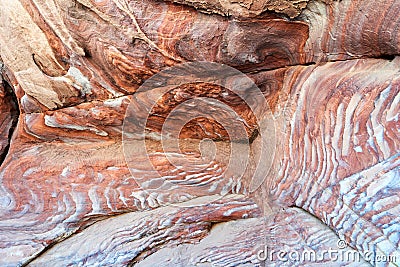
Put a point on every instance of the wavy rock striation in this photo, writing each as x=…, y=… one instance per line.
x=322, y=163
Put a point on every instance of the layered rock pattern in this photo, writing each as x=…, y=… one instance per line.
x=8, y=116
x=346, y=157
x=329, y=71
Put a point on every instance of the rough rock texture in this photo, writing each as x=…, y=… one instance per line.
x=323, y=165
x=8, y=116
x=247, y=8
x=234, y=243
x=340, y=157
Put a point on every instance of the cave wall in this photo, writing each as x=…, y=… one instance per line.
x=188, y=132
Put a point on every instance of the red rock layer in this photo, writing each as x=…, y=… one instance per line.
x=103, y=50
x=352, y=29
x=103, y=120
x=76, y=65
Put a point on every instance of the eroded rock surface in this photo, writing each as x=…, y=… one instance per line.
x=248, y=8
x=328, y=145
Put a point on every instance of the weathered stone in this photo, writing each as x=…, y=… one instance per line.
x=80, y=154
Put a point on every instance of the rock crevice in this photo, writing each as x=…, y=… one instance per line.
x=9, y=114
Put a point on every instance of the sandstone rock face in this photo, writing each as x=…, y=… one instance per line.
x=199, y=133
x=8, y=116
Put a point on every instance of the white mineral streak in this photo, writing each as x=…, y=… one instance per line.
x=52, y=17
x=52, y=122
x=350, y=123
